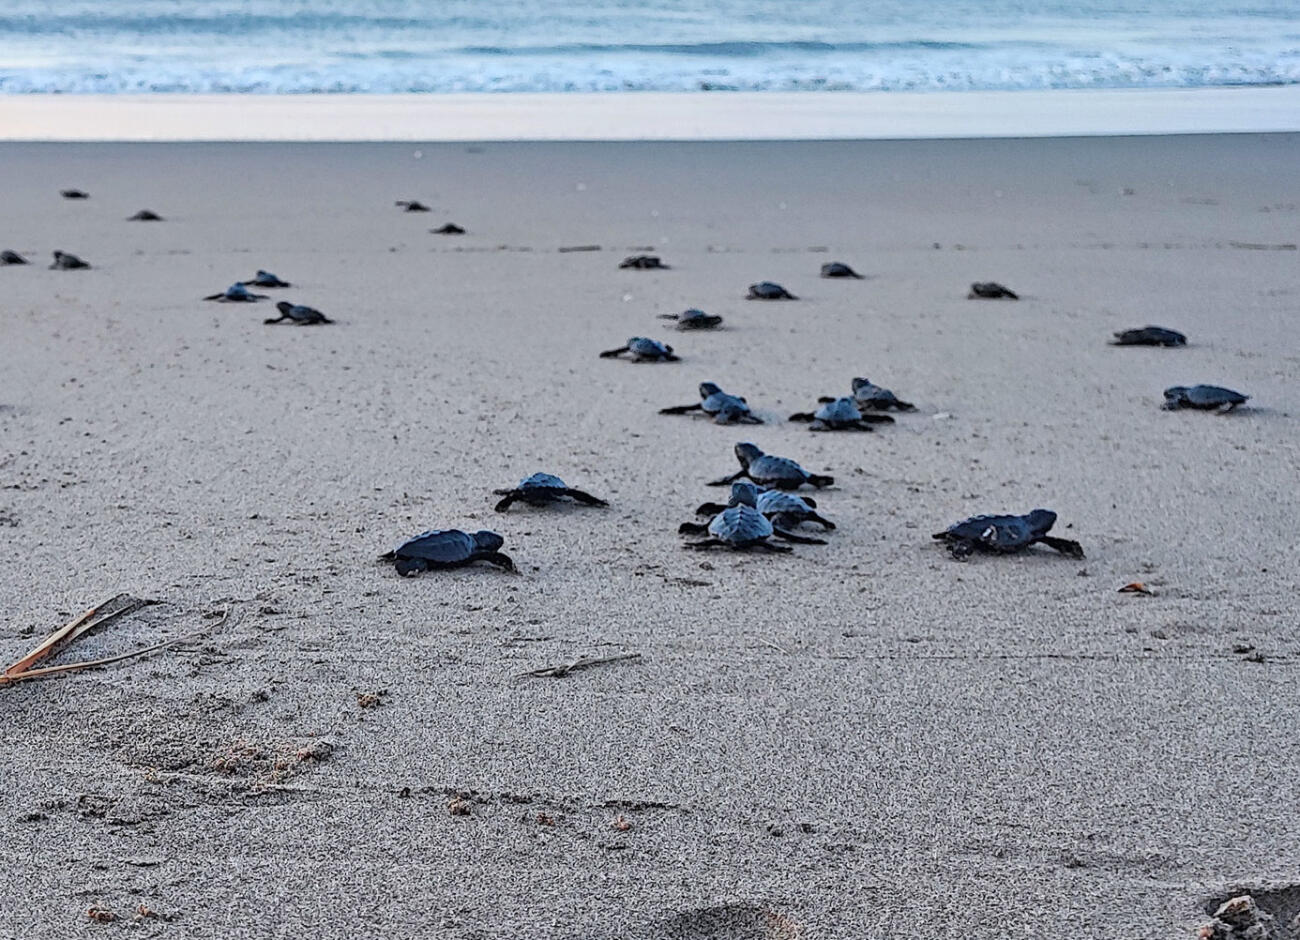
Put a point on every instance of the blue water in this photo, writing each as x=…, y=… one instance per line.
x=612, y=45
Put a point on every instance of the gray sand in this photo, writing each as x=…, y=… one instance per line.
x=860, y=739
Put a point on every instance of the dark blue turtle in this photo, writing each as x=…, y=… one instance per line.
x=299, y=314
x=411, y=205
x=236, y=294
x=67, y=262
x=73, y=194
x=870, y=396
x=837, y=269
x=785, y=511
x=1204, y=397
x=840, y=414
x=643, y=350
x=542, y=488
x=737, y=527
x=718, y=405
x=1005, y=534
x=693, y=319
x=779, y=473
x=447, y=548
x=1149, y=336
x=643, y=263
x=768, y=290
x=145, y=215
x=990, y=290
x=11, y=257
x=265, y=279
x=450, y=228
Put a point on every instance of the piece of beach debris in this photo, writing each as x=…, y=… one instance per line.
x=1005, y=534
x=836, y=269
x=236, y=293
x=585, y=662
x=1239, y=918
x=768, y=290
x=370, y=699
x=718, y=405
x=1136, y=587
x=567, y=248
x=73, y=194
x=540, y=489
x=447, y=548
x=459, y=807
x=1258, y=246
x=545, y=819
x=11, y=257
x=643, y=263
x=1149, y=336
x=145, y=215
x=1203, y=398
x=101, y=915
x=779, y=473
x=990, y=290
x=451, y=228
x=411, y=205
x=693, y=319
x=64, y=261
x=299, y=314
x=643, y=350
x=117, y=606
x=620, y=824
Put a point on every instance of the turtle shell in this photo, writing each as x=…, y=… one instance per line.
x=647, y=348
x=1204, y=396
x=1004, y=533
x=440, y=546
x=778, y=501
x=839, y=411
x=766, y=468
x=740, y=525
x=543, y=481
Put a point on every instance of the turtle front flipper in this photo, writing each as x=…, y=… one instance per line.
x=803, y=416
x=727, y=481
x=877, y=419
x=710, y=509
x=693, y=528
x=679, y=409
x=958, y=548
x=613, y=353
x=499, y=559
x=585, y=498
x=1067, y=547
x=510, y=497
x=283, y=316
x=820, y=520
x=407, y=567
x=819, y=480
x=221, y=296
x=789, y=536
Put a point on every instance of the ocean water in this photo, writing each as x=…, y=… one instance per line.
x=304, y=46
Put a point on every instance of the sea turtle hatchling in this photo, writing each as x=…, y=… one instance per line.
x=1203, y=397
x=447, y=548
x=741, y=526
x=784, y=510
x=450, y=228
x=541, y=489
x=693, y=319
x=643, y=350
x=768, y=290
x=1005, y=534
x=63, y=261
x=780, y=473
x=299, y=314
x=718, y=405
x=74, y=194
x=145, y=215
x=1149, y=336
x=411, y=205
x=990, y=290
x=643, y=263
x=837, y=269
x=11, y=257
x=265, y=279
x=840, y=414
x=872, y=397
x=236, y=293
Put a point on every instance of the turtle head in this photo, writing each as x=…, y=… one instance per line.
x=284, y=307
x=744, y=493
x=1041, y=520
x=747, y=453
x=708, y=388
x=487, y=541
x=861, y=383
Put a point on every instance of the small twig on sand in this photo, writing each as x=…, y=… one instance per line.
x=586, y=662
x=779, y=649
x=580, y=248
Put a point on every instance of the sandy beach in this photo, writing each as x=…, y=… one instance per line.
x=859, y=739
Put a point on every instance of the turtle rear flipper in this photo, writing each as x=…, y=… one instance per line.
x=766, y=546
x=789, y=536
x=710, y=509
x=585, y=498
x=510, y=497
x=707, y=543
x=1067, y=547
x=819, y=480
x=877, y=419
x=693, y=528
x=803, y=416
x=820, y=520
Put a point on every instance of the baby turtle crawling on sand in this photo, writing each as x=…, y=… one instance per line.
x=542, y=488
x=767, y=290
x=1005, y=534
x=874, y=398
x=836, y=269
x=265, y=279
x=73, y=194
x=236, y=294
x=740, y=526
x=990, y=290
x=643, y=350
x=717, y=404
x=447, y=548
x=299, y=314
x=840, y=414
x=780, y=473
x=692, y=319
x=1149, y=336
x=1204, y=397
x=411, y=205
x=643, y=263
x=146, y=215
x=11, y=257
x=66, y=262
x=783, y=510
x=451, y=228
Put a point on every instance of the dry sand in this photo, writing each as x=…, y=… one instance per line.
x=861, y=739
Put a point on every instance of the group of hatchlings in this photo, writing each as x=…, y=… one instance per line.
x=762, y=507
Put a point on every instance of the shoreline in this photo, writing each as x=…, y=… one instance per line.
x=650, y=115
